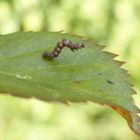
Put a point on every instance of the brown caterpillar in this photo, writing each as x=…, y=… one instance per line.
x=60, y=45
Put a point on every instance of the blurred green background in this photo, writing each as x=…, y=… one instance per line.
x=112, y=22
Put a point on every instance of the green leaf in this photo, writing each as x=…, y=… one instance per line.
x=89, y=74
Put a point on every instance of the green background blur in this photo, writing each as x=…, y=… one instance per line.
x=112, y=22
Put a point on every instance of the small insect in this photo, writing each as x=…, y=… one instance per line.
x=77, y=81
x=59, y=46
x=110, y=82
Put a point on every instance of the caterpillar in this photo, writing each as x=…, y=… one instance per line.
x=59, y=46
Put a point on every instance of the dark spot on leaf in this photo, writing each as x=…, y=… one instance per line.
x=110, y=82
x=99, y=73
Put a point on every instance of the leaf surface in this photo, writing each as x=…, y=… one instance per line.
x=89, y=74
